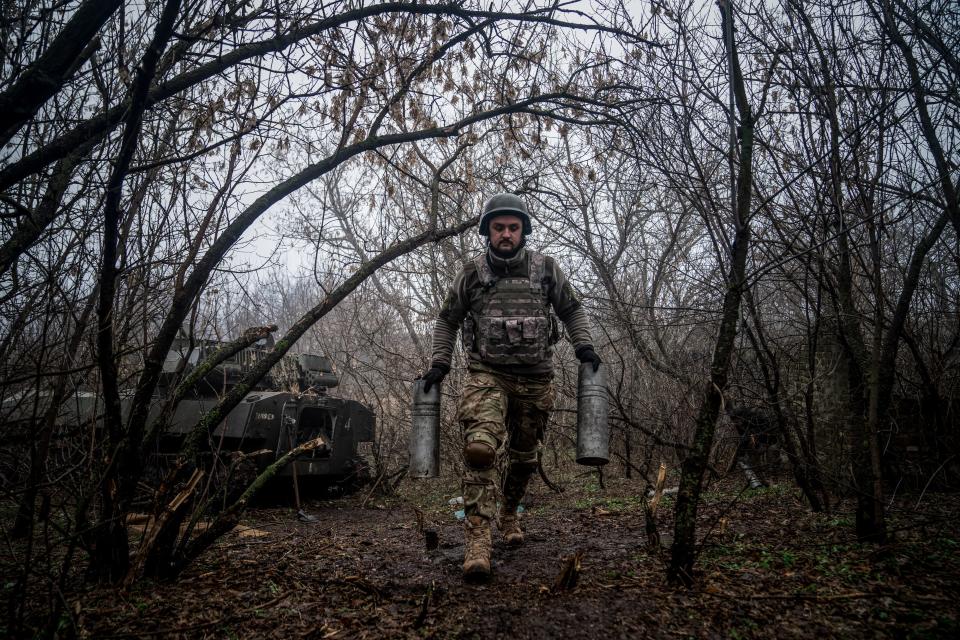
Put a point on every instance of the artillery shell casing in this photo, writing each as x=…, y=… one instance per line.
x=593, y=431
x=425, y=432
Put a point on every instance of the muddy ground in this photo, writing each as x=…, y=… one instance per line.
x=769, y=569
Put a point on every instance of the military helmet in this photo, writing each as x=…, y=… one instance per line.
x=505, y=204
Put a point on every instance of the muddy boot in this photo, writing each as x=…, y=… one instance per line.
x=514, y=488
x=476, y=551
x=510, y=528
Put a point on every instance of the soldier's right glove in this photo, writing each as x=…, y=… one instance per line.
x=586, y=354
x=435, y=375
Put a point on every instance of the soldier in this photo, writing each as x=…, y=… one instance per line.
x=504, y=300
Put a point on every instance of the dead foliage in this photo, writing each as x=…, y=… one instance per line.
x=768, y=568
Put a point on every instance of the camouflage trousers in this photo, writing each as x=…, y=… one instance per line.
x=508, y=413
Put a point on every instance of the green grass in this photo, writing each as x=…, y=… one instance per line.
x=842, y=522
x=784, y=559
x=839, y=562
x=613, y=504
x=726, y=494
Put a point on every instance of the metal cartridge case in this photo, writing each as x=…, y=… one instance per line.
x=425, y=432
x=593, y=432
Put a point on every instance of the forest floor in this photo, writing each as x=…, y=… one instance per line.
x=769, y=568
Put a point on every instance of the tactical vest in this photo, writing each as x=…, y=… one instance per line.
x=515, y=325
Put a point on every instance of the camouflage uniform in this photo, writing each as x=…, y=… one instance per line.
x=510, y=414
x=506, y=307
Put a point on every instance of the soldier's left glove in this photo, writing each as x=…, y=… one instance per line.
x=434, y=375
x=587, y=354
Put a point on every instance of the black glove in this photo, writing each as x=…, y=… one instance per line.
x=434, y=375
x=587, y=354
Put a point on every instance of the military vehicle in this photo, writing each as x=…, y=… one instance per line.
x=289, y=406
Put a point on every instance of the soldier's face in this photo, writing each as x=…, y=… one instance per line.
x=506, y=233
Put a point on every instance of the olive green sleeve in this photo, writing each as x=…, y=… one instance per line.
x=566, y=303
x=451, y=315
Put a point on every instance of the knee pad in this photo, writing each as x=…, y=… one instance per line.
x=480, y=452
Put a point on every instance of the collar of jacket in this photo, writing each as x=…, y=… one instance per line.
x=506, y=266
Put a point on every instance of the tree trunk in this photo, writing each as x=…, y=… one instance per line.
x=804, y=470
x=870, y=522
x=110, y=560
x=683, y=551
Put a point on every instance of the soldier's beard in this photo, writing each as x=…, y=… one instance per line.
x=506, y=255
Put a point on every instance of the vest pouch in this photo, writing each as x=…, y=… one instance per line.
x=514, y=340
x=468, y=334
